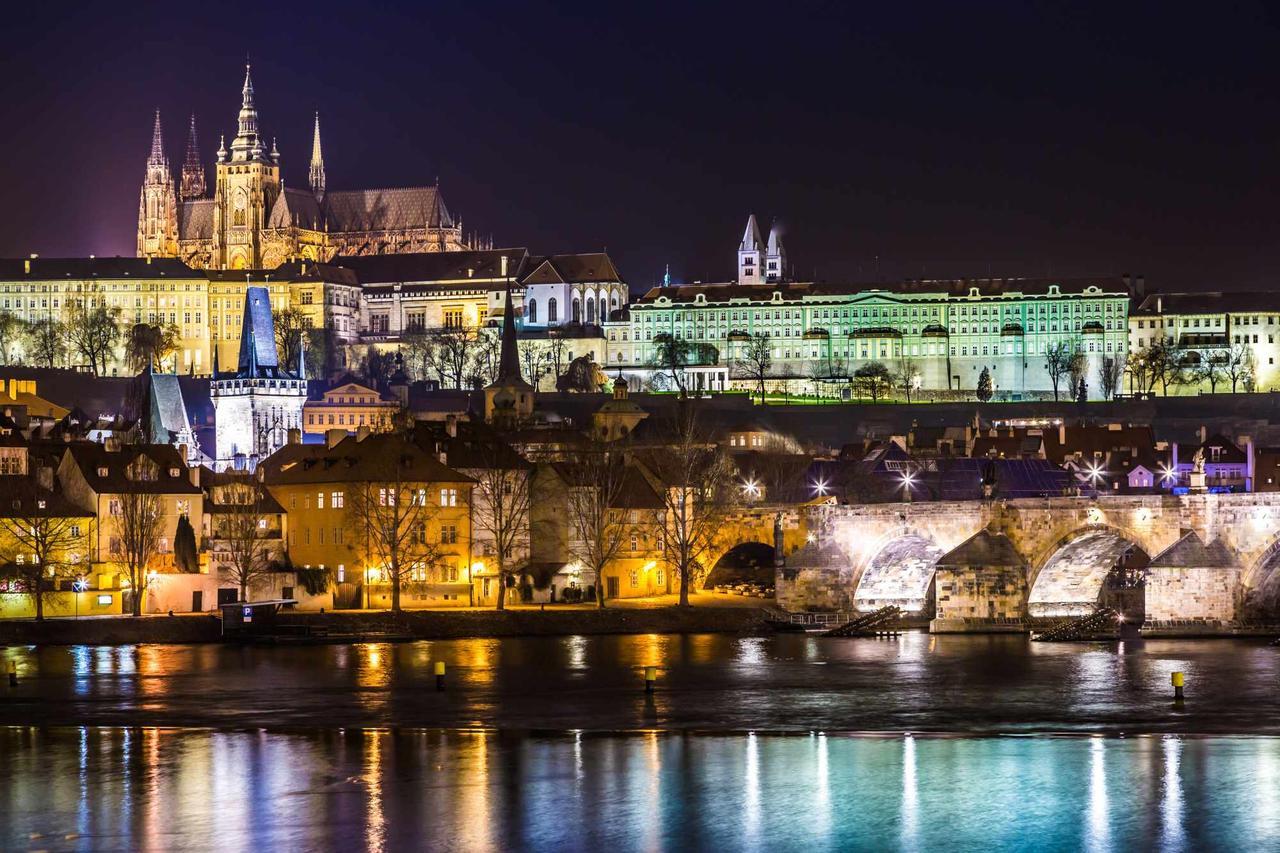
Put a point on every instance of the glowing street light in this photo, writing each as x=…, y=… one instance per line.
x=1095, y=474
x=1167, y=474
x=751, y=488
x=908, y=480
x=820, y=486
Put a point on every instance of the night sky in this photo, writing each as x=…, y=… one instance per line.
x=946, y=138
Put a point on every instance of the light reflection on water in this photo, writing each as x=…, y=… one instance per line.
x=94, y=788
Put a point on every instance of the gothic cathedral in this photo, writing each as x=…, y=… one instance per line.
x=254, y=222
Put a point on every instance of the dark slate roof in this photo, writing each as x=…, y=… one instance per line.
x=570, y=269
x=167, y=412
x=1190, y=552
x=257, y=335
x=296, y=208
x=983, y=548
x=432, y=266
x=14, y=269
x=195, y=219
x=1219, y=302
x=21, y=497
x=476, y=446
x=91, y=457
x=386, y=209
x=635, y=491
x=355, y=460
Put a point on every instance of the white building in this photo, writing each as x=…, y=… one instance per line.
x=257, y=405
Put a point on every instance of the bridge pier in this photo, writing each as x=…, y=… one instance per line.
x=981, y=587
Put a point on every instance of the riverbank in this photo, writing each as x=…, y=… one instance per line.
x=414, y=624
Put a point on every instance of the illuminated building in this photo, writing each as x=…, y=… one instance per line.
x=253, y=221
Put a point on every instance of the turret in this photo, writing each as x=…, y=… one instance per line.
x=751, y=255
x=157, y=205
x=317, y=164
x=192, y=171
x=775, y=268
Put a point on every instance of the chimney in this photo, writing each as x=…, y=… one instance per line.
x=333, y=436
x=451, y=425
x=1062, y=434
x=295, y=436
x=44, y=478
x=193, y=474
x=362, y=432
x=504, y=266
x=1140, y=285
x=1248, y=463
x=26, y=266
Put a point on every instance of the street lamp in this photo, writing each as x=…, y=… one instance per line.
x=820, y=486
x=908, y=480
x=751, y=488
x=79, y=585
x=1095, y=474
x=1167, y=474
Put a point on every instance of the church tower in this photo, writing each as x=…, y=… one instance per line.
x=316, y=175
x=775, y=268
x=248, y=183
x=192, y=171
x=158, y=206
x=751, y=255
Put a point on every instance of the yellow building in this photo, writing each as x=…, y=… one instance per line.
x=336, y=494
x=349, y=406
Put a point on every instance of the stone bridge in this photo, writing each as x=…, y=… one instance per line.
x=1203, y=558
x=782, y=527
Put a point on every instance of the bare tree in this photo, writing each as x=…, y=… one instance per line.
x=501, y=515
x=138, y=527
x=557, y=353
x=1211, y=368
x=1167, y=365
x=291, y=325
x=394, y=504
x=484, y=363
x=908, y=377
x=242, y=527
x=694, y=478
x=418, y=349
x=93, y=334
x=46, y=341
x=533, y=362
x=874, y=379
x=1112, y=372
x=1238, y=365
x=671, y=355
x=452, y=353
x=595, y=485
x=44, y=545
x=756, y=362
x=1059, y=362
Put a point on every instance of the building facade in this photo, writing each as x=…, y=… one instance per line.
x=252, y=221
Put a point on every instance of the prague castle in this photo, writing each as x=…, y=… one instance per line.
x=252, y=221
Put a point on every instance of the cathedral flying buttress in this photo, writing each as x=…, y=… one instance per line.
x=253, y=221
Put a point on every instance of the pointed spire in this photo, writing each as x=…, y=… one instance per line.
x=509, y=362
x=775, y=239
x=157, y=144
x=317, y=164
x=751, y=237
x=302, y=354
x=247, y=145
x=215, y=359
x=666, y=282
x=192, y=170
x=222, y=148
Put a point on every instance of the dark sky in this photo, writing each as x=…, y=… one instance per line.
x=946, y=138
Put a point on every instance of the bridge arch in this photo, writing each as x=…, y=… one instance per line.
x=1069, y=579
x=898, y=571
x=1262, y=584
x=746, y=561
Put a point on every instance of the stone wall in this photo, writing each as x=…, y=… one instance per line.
x=1193, y=594
x=991, y=596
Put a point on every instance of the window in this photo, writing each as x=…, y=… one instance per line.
x=635, y=542
x=386, y=497
x=551, y=310
x=320, y=500
x=342, y=573
x=531, y=310
x=337, y=500
x=75, y=530
x=448, y=534
x=635, y=579
x=113, y=506
x=183, y=507
x=448, y=497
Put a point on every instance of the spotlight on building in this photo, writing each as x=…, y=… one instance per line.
x=820, y=487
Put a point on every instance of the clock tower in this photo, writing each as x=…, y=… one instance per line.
x=248, y=182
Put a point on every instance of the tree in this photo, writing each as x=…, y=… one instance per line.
x=138, y=527
x=1167, y=365
x=580, y=377
x=145, y=344
x=1110, y=374
x=321, y=351
x=93, y=334
x=485, y=361
x=453, y=349
x=184, y=546
x=873, y=379
x=376, y=366
x=984, y=386
x=44, y=545
x=534, y=363
x=242, y=527
x=597, y=522
x=1082, y=391
x=1079, y=367
x=1238, y=365
x=394, y=504
x=418, y=350
x=756, y=362
x=11, y=329
x=501, y=515
x=46, y=341
x=1211, y=368
x=557, y=351
x=670, y=355
x=1059, y=362
x=293, y=326
x=693, y=476
x=908, y=377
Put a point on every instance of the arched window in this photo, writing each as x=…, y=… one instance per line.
x=613, y=303
x=531, y=310
x=591, y=310
x=604, y=310
x=551, y=310
x=577, y=310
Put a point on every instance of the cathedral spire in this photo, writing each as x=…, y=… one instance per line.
x=192, y=172
x=509, y=358
x=248, y=144
x=317, y=164
x=157, y=144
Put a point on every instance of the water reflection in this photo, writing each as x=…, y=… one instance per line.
x=393, y=790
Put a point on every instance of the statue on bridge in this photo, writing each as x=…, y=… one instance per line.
x=1197, y=475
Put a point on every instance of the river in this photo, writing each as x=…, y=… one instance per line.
x=754, y=743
